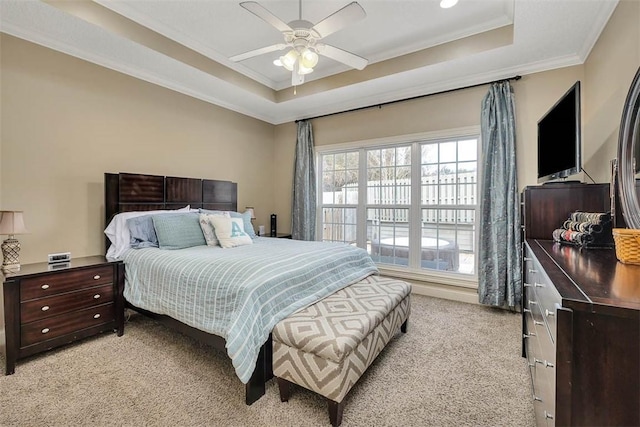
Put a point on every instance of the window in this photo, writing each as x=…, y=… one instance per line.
x=410, y=204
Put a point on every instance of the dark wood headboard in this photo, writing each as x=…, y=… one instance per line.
x=125, y=192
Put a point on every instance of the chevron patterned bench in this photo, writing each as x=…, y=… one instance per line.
x=327, y=346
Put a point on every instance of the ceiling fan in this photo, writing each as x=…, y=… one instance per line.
x=303, y=37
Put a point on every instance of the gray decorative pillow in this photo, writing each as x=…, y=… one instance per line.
x=178, y=231
x=207, y=228
x=142, y=234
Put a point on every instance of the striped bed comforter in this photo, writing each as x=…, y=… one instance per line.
x=241, y=293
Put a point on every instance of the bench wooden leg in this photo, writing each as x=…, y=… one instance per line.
x=284, y=386
x=335, y=412
x=403, y=328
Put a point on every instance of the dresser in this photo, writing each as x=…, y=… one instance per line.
x=581, y=317
x=44, y=306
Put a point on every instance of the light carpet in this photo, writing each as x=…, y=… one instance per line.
x=458, y=365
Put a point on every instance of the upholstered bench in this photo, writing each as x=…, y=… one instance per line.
x=327, y=346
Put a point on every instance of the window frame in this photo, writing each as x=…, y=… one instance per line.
x=415, y=142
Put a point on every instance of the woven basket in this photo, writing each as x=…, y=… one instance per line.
x=627, y=245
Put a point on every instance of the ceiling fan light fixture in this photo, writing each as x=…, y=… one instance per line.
x=289, y=60
x=304, y=70
x=308, y=58
x=446, y=4
x=302, y=36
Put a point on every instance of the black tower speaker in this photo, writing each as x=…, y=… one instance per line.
x=274, y=225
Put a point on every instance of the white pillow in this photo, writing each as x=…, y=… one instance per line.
x=230, y=231
x=207, y=226
x=118, y=232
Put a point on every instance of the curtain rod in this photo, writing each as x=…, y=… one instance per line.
x=410, y=99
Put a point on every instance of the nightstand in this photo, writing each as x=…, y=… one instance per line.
x=49, y=305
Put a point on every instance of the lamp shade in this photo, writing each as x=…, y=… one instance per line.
x=308, y=58
x=12, y=222
x=250, y=209
x=289, y=60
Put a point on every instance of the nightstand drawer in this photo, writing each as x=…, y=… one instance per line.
x=53, y=327
x=55, y=283
x=42, y=308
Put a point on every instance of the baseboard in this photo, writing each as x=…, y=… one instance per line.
x=444, y=291
x=451, y=292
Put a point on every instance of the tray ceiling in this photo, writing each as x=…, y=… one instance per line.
x=413, y=46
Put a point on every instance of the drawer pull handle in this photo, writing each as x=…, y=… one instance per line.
x=527, y=285
x=45, y=308
x=533, y=302
x=548, y=364
x=532, y=270
x=526, y=310
x=527, y=258
x=96, y=296
x=96, y=277
x=529, y=335
x=45, y=286
x=45, y=330
x=548, y=415
x=536, y=398
x=549, y=313
x=531, y=365
x=539, y=285
x=96, y=316
x=535, y=322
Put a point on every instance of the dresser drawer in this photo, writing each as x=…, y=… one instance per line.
x=549, y=301
x=63, y=324
x=64, y=281
x=42, y=308
x=546, y=296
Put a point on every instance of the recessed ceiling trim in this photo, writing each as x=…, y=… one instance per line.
x=496, y=38
x=135, y=72
x=440, y=86
x=606, y=10
x=159, y=27
x=115, y=23
x=447, y=38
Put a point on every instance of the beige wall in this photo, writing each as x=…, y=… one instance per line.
x=65, y=122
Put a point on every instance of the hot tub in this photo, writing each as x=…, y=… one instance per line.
x=437, y=254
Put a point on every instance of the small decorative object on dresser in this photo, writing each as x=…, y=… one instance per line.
x=44, y=309
x=586, y=229
x=11, y=223
x=627, y=245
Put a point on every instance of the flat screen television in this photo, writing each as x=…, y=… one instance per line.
x=559, y=138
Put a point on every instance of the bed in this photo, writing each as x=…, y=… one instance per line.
x=260, y=292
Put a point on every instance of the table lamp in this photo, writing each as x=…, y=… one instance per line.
x=253, y=213
x=250, y=209
x=11, y=223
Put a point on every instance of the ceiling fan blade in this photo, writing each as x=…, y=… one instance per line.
x=265, y=15
x=348, y=58
x=338, y=20
x=256, y=52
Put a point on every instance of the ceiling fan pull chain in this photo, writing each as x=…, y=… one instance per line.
x=300, y=10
